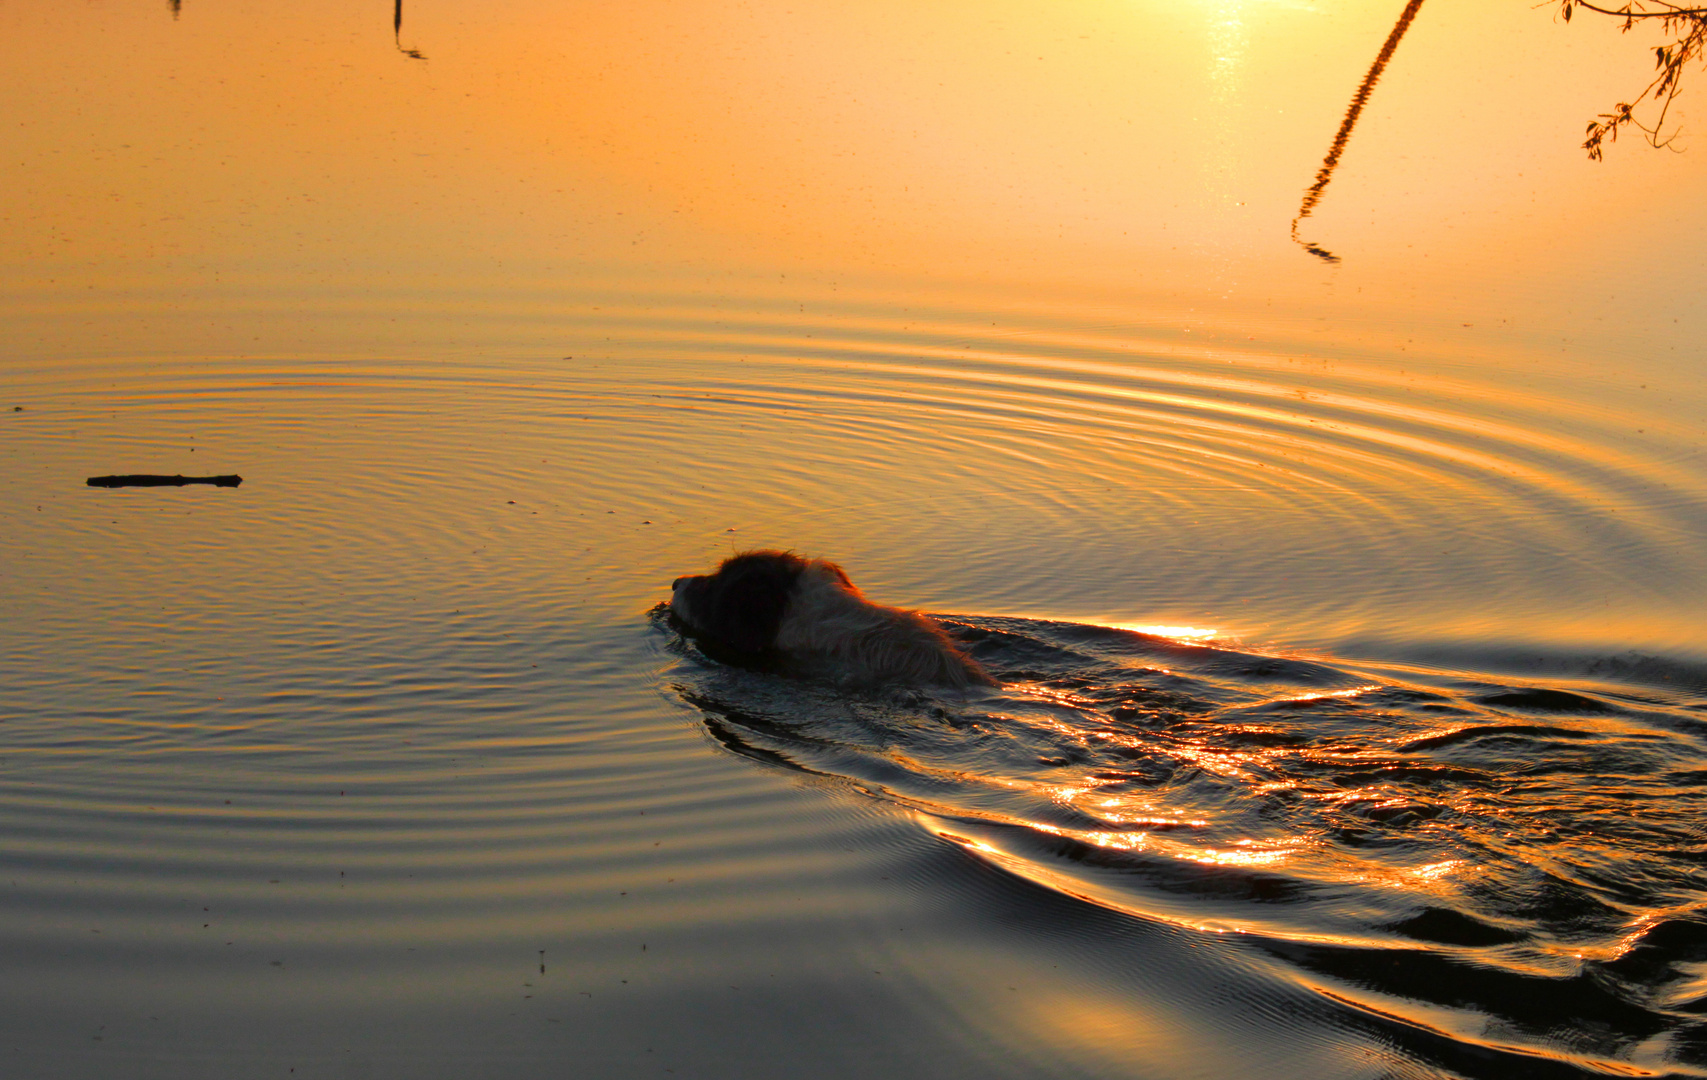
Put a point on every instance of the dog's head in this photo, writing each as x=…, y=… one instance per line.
x=741, y=606
x=774, y=610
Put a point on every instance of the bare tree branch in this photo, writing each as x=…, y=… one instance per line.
x=1687, y=27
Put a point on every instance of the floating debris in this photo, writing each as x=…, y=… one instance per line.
x=151, y=480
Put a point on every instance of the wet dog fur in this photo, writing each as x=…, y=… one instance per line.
x=775, y=608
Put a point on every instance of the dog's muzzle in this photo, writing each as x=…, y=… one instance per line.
x=679, y=591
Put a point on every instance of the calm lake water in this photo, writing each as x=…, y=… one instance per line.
x=1351, y=618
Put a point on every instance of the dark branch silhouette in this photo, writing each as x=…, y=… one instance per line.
x=397, y=32
x=1352, y=112
x=1688, y=29
x=176, y=4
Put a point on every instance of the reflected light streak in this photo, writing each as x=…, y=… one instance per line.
x=1326, y=695
x=1249, y=855
x=1177, y=633
x=1053, y=695
x=1634, y=935
x=1159, y=822
x=1118, y=900
x=1229, y=42
x=1117, y=841
x=1213, y=857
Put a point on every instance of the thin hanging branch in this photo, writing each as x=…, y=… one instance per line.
x=397, y=32
x=1687, y=27
x=1352, y=112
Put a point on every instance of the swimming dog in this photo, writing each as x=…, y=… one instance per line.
x=775, y=607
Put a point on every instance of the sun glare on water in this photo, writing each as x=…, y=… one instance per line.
x=1183, y=633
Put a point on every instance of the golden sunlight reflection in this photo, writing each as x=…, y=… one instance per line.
x=1229, y=40
x=1117, y=841
x=1164, y=630
x=1098, y=892
x=1304, y=857
x=1436, y=871
x=1121, y=809
x=1106, y=1032
x=1356, y=691
x=1250, y=855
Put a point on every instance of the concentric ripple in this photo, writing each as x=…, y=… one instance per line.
x=1120, y=471
x=380, y=728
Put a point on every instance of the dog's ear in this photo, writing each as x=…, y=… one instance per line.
x=747, y=601
x=840, y=575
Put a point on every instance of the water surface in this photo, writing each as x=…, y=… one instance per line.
x=1349, y=618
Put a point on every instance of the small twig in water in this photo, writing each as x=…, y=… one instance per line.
x=153, y=480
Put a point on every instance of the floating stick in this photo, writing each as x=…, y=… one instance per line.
x=152, y=480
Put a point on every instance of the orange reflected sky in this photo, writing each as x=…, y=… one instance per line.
x=1110, y=143
x=1108, y=185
